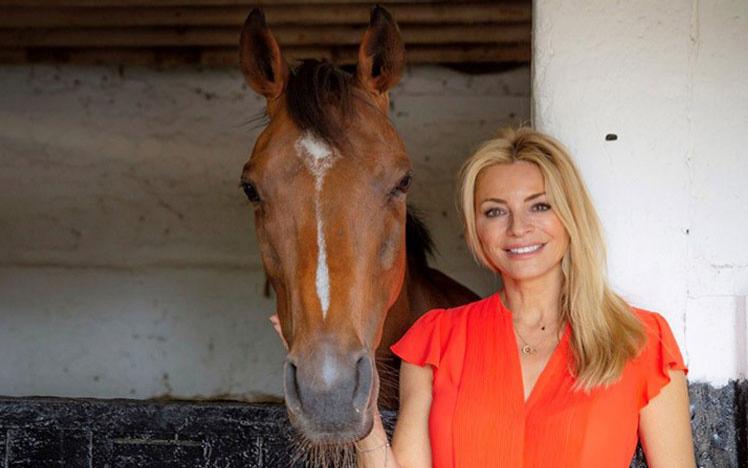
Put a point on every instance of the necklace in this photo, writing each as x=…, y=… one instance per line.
x=528, y=349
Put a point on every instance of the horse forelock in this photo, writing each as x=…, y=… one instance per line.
x=319, y=99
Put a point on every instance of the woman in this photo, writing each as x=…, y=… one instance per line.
x=553, y=370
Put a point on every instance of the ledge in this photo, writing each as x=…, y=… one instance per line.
x=67, y=433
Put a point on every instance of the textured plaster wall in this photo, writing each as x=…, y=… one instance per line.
x=669, y=79
x=128, y=265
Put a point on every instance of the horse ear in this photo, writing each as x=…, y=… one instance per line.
x=381, y=56
x=260, y=57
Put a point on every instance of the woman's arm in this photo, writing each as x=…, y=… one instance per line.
x=410, y=442
x=665, y=426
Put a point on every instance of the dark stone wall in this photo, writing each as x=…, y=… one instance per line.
x=68, y=433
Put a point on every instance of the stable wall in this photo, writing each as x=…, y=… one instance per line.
x=669, y=79
x=128, y=264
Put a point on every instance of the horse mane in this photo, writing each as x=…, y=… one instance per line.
x=319, y=98
x=418, y=242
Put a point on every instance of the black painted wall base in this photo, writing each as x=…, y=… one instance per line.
x=68, y=433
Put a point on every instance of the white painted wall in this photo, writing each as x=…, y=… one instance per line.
x=670, y=79
x=128, y=265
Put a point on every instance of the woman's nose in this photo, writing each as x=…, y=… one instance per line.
x=518, y=225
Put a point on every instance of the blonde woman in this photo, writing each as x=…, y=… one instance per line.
x=554, y=370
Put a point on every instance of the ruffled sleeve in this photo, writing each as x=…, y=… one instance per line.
x=421, y=344
x=660, y=355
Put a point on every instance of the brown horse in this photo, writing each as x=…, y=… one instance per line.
x=328, y=178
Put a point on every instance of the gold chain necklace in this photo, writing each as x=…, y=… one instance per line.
x=528, y=349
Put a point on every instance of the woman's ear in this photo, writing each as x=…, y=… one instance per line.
x=260, y=57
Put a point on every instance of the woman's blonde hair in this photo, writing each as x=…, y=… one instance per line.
x=605, y=331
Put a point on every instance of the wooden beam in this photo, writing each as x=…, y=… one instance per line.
x=13, y=56
x=286, y=35
x=484, y=53
x=158, y=3
x=221, y=56
x=165, y=32
x=86, y=17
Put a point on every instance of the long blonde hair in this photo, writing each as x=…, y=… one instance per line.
x=605, y=331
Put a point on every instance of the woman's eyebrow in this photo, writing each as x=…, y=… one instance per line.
x=500, y=200
x=531, y=197
x=495, y=200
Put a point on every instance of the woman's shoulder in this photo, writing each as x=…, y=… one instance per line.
x=435, y=332
x=660, y=338
x=655, y=325
x=659, y=356
x=458, y=313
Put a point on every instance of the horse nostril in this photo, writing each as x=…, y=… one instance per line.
x=291, y=385
x=364, y=376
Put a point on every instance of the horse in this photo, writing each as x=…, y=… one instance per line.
x=327, y=181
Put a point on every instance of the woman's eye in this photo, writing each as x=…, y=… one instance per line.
x=403, y=185
x=251, y=192
x=493, y=212
x=541, y=207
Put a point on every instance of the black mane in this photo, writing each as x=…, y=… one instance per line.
x=319, y=99
x=418, y=241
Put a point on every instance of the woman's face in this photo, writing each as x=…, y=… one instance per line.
x=517, y=227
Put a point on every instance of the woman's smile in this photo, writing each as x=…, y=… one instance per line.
x=520, y=233
x=520, y=252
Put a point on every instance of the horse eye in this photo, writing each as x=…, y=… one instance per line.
x=404, y=184
x=251, y=192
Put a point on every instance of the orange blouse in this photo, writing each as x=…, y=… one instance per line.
x=479, y=417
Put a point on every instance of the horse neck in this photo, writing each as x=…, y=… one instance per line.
x=423, y=289
x=408, y=306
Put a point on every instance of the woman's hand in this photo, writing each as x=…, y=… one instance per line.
x=374, y=450
x=277, y=326
x=377, y=438
x=411, y=446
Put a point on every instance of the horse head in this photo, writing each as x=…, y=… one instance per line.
x=327, y=180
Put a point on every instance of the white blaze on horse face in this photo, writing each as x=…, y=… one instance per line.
x=318, y=158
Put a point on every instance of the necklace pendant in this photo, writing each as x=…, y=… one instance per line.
x=527, y=349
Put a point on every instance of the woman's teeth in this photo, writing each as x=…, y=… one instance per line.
x=524, y=250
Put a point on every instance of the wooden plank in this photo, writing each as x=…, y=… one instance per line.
x=206, y=31
x=158, y=3
x=13, y=56
x=514, y=53
x=286, y=35
x=116, y=56
x=83, y=17
x=224, y=56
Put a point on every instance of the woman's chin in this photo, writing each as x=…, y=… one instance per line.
x=529, y=272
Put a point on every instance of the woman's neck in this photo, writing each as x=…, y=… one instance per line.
x=535, y=302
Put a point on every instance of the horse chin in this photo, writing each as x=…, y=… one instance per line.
x=325, y=435
x=318, y=433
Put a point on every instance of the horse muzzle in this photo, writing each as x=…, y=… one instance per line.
x=329, y=393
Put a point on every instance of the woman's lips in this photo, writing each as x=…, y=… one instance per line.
x=524, y=251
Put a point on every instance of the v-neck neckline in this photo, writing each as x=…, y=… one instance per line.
x=550, y=364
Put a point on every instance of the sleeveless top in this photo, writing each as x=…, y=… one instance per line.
x=479, y=417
